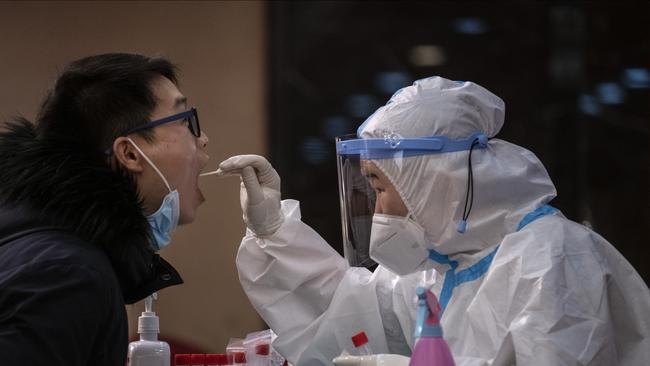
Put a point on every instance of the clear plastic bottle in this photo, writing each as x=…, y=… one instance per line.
x=374, y=360
x=148, y=351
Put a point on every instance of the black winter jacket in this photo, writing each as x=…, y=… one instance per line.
x=74, y=248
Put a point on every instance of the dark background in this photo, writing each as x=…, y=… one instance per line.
x=574, y=76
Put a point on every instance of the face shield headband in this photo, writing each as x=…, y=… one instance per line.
x=357, y=198
x=392, y=144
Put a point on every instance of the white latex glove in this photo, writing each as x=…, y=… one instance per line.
x=259, y=193
x=372, y=360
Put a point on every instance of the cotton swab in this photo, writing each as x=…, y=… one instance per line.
x=218, y=171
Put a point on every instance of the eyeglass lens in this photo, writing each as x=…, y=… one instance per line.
x=193, y=124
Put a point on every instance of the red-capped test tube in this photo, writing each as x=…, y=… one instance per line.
x=361, y=346
x=262, y=349
x=182, y=359
x=216, y=359
x=237, y=358
x=197, y=359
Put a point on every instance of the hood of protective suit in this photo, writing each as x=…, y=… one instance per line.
x=509, y=181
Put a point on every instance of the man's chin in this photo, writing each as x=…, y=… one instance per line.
x=189, y=215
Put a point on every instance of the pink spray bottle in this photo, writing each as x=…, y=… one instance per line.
x=430, y=348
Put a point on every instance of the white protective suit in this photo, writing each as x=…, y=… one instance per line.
x=530, y=287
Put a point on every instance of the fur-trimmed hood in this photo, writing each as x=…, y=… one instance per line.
x=67, y=185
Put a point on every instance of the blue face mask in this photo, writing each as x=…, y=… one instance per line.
x=163, y=222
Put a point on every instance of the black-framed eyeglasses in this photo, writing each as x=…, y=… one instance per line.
x=190, y=115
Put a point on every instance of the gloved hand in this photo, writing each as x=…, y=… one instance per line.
x=372, y=360
x=259, y=193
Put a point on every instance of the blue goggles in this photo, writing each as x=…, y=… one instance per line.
x=386, y=148
x=191, y=116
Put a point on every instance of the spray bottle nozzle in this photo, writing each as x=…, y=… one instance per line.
x=421, y=312
x=427, y=322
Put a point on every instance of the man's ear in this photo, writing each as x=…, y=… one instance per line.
x=127, y=155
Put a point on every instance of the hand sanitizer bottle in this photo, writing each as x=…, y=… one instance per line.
x=148, y=351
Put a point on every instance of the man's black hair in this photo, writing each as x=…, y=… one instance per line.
x=97, y=98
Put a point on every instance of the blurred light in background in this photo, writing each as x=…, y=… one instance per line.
x=427, y=56
x=361, y=105
x=566, y=67
x=589, y=105
x=314, y=150
x=470, y=25
x=610, y=93
x=544, y=59
x=389, y=82
x=636, y=78
x=336, y=126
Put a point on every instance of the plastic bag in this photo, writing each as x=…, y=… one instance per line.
x=259, y=349
x=236, y=352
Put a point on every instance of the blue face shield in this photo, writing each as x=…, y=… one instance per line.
x=164, y=221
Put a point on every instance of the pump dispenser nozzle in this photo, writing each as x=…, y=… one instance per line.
x=148, y=322
x=149, y=351
x=148, y=302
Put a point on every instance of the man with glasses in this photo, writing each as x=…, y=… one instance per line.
x=88, y=194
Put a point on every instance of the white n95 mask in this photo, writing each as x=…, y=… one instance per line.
x=164, y=221
x=397, y=243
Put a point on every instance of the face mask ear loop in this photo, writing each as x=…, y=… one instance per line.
x=150, y=163
x=469, y=196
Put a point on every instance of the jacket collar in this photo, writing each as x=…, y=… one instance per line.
x=60, y=183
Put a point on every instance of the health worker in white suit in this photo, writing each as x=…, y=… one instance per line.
x=458, y=210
